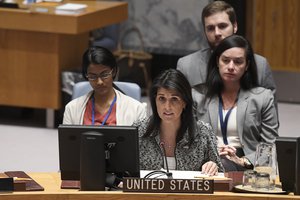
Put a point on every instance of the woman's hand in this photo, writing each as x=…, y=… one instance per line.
x=230, y=153
x=227, y=151
x=210, y=168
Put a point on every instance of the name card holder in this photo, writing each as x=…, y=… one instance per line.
x=168, y=185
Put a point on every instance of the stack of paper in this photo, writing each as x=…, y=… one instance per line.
x=70, y=8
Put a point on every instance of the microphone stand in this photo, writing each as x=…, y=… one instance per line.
x=169, y=174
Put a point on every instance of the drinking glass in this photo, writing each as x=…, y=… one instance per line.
x=266, y=162
x=262, y=181
x=249, y=178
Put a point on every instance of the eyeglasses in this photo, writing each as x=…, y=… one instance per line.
x=102, y=76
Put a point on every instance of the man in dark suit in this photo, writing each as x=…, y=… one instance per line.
x=219, y=22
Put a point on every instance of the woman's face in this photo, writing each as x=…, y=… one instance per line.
x=100, y=78
x=169, y=105
x=232, y=65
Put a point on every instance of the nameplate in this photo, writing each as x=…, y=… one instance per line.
x=168, y=185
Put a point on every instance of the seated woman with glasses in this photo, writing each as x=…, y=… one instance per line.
x=171, y=138
x=104, y=105
x=241, y=114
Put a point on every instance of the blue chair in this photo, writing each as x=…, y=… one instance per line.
x=130, y=89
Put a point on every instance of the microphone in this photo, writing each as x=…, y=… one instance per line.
x=169, y=174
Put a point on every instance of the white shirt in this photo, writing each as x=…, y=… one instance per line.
x=232, y=133
x=171, y=163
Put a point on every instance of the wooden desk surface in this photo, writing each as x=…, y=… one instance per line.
x=36, y=47
x=51, y=183
x=100, y=11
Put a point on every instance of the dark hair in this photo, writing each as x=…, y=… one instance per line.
x=248, y=80
x=216, y=7
x=174, y=80
x=98, y=56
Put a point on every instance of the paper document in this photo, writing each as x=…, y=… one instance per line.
x=70, y=8
x=177, y=174
x=56, y=1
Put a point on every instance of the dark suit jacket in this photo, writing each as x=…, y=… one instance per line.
x=257, y=119
x=194, y=67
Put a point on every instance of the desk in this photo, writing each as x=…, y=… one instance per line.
x=36, y=47
x=51, y=183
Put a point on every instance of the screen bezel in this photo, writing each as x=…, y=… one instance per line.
x=126, y=158
x=286, y=150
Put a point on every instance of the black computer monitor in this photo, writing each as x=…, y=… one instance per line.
x=287, y=153
x=121, y=148
x=297, y=181
x=3, y=4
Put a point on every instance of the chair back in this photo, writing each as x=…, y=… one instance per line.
x=130, y=89
x=81, y=88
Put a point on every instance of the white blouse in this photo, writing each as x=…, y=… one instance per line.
x=171, y=163
x=232, y=133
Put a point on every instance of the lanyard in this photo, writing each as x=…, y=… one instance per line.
x=108, y=113
x=224, y=122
